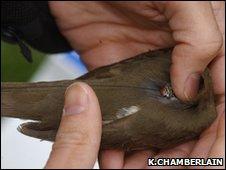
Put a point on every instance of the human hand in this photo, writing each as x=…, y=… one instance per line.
x=107, y=32
x=78, y=138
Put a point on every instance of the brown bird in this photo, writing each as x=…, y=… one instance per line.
x=138, y=106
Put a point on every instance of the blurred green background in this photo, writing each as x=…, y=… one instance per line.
x=14, y=67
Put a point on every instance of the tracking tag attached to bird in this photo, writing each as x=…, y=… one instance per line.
x=139, y=108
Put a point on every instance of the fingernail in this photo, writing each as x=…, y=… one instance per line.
x=76, y=99
x=191, y=87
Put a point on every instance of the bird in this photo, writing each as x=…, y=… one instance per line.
x=139, y=109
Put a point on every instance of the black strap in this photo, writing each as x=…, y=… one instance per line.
x=31, y=22
x=9, y=34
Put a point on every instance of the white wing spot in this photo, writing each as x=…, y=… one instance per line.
x=126, y=111
x=104, y=122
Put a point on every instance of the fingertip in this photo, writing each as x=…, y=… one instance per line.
x=191, y=87
x=73, y=88
x=177, y=82
x=185, y=83
x=111, y=159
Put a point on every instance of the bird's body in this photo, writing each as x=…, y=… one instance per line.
x=136, y=115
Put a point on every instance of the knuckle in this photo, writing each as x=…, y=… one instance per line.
x=202, y=49
x=210, y=44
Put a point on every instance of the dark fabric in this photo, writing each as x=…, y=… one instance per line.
x=32, y=22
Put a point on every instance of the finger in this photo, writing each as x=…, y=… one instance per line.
x=209, y=136
x=212, y=141
x=78, y=138
x=217, y=74
x=205, y=142
x=181, y=151
x=198, y=40
x=138, y=159
x=111, y=159
x=218, y=64
x=218, y=148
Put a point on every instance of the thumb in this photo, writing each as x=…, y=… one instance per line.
x=198, y=40
x=78, y=138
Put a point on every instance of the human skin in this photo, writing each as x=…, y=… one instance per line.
x=107, y=32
